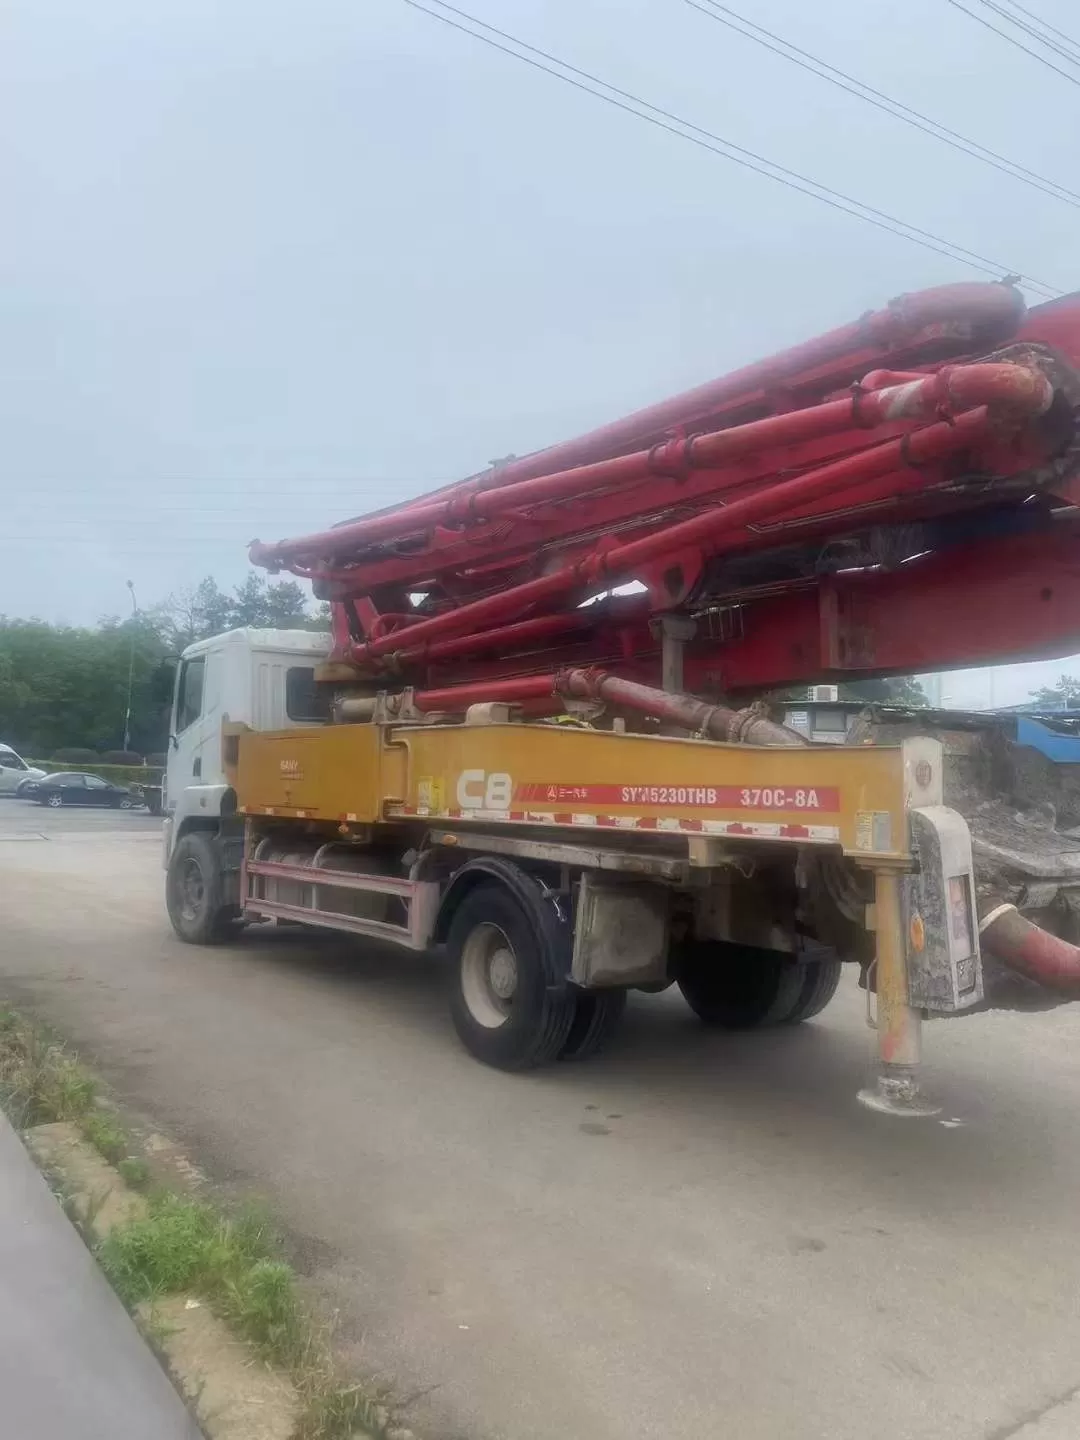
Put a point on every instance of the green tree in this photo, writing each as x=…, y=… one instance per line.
x=62, y=685
x=1065, y=695
x=277, y=604
x=249, y=601
x=66, y=686
x=205, y=609
x=193, y=614
x=897, y=690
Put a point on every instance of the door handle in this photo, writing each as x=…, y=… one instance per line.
x=196, y=767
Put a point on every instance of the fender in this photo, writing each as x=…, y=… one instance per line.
x=551, y=911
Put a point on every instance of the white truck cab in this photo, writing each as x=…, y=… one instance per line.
x=261, y=678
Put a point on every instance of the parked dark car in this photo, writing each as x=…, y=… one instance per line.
x=71, y=787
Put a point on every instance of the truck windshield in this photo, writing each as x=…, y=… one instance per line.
x=190, y=692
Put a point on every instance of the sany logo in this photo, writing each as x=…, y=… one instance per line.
x=477, y=790
x=291, y=769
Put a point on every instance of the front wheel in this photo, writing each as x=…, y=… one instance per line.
x=510, y=1003
x=195, y=891
x=54, y=802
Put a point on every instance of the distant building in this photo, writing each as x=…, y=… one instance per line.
x=825, y=722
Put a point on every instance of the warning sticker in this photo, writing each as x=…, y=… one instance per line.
x=814, y=798
x=873, y=830
x=429, y=794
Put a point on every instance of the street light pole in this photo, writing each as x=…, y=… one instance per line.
x=131, y=665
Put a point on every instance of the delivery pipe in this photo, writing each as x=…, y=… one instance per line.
x=718, y=722
x=1034, y=952
x=1018, y=389
x=687, y=712
x=991, y=313
x=499, y=637
x=916, y=449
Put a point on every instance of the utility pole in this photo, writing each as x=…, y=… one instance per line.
x=131, y=665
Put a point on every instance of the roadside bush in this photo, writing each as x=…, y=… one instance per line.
x=119, y=774
x=154, y=761
x=73, y=755
x=119, y=757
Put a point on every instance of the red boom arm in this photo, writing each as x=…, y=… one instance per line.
x=935, y=429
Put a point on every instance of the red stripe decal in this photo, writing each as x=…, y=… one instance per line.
x=818, y=799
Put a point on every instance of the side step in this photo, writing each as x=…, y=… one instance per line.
x=329, y=898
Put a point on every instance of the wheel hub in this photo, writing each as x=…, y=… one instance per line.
x=489, y=976
x=502, y=974
x=192, y=890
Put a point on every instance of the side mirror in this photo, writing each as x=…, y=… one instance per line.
x=174, y=742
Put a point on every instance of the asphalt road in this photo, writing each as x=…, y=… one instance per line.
x=693, y=1235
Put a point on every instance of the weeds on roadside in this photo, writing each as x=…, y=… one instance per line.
x=185, y=1244
x=338, y=1414
x=233, y=1263
x=134, y=1172
x=105, y=1134
x=39, y=1082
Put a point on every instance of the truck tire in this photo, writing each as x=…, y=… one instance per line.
x=195, y=891
x=510, y=1001
x=596, y=1018
x=737, y=987
x=818, y=988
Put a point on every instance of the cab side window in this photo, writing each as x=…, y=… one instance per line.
x=304, y=700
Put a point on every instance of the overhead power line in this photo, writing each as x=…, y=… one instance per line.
x=1012, y=40
x=1037, y=31
x=814, y=65
x=705, y=139
x=1044, y=24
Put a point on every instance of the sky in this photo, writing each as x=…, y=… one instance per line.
x=265, y=266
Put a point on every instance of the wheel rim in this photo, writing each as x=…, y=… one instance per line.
x=489, y=976
x=125, y=804
x=56, y=801
x=192, y=890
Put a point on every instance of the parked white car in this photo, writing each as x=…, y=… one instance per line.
x=14, y=770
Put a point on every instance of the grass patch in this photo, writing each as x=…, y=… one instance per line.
x=106, y=1135
x=339, y=1413
x=39, y=1081
x=232, y=1262
x=134, y=1172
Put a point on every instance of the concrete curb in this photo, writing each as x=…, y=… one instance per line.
x=235, y=1396
x=71, y=1359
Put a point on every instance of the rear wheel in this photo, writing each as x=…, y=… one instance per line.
x=738, y=987
x=596, y=1018
x=822, y=976
x=195, y=891
x=510, y=1002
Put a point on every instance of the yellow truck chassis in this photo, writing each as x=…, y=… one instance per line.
x=642, y=851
